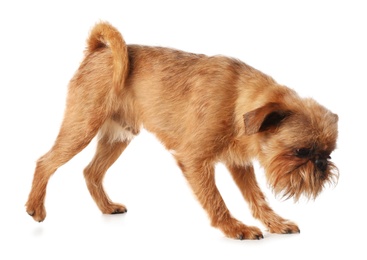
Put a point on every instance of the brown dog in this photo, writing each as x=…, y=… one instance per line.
x=204, y=109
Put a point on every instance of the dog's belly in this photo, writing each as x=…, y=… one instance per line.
x=115, y=132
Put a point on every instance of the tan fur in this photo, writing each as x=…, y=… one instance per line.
x=203, y=109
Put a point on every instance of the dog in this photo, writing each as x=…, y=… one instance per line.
x=203, y=109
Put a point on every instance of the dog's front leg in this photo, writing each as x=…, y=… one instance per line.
x=201, y=178
x=244, y=176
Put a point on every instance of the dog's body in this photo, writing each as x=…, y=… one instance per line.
x=205, y=110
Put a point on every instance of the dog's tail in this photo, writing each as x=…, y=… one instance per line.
x=104, y=35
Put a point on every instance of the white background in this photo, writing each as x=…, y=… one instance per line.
x=316, y=47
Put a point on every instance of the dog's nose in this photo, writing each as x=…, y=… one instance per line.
x=321, y=164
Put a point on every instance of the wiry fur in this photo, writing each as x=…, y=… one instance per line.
x=203, y=109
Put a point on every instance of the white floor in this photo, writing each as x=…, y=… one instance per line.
x=317, y=49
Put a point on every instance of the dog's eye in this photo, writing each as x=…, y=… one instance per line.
x=303, y=152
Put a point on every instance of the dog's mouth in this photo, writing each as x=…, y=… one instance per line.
x=305, y=177
x=320, y=168
x=320, y=159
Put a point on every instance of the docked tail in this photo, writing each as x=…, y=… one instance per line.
x=104, y=35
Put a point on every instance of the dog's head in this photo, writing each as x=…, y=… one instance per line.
x=295, y=140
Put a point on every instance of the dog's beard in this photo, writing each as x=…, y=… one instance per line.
x=294, y=178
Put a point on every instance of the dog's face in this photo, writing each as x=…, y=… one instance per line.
x=295, y=145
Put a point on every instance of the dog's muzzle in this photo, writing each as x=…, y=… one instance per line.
x=321, y=164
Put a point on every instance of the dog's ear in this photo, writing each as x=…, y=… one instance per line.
x=265, y=118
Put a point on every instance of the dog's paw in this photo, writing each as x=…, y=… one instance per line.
x=237, y=230
x=114, y=208
x=285, y=227
x=249, y=232
x=37, y=213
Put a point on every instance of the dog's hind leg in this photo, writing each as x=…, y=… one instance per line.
x=73, y=138
x=89, y=104
x=108, y=151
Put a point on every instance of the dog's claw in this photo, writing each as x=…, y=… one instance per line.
x=290, y=231
x=257, y=237
x=260, y=237
x=119, y=211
